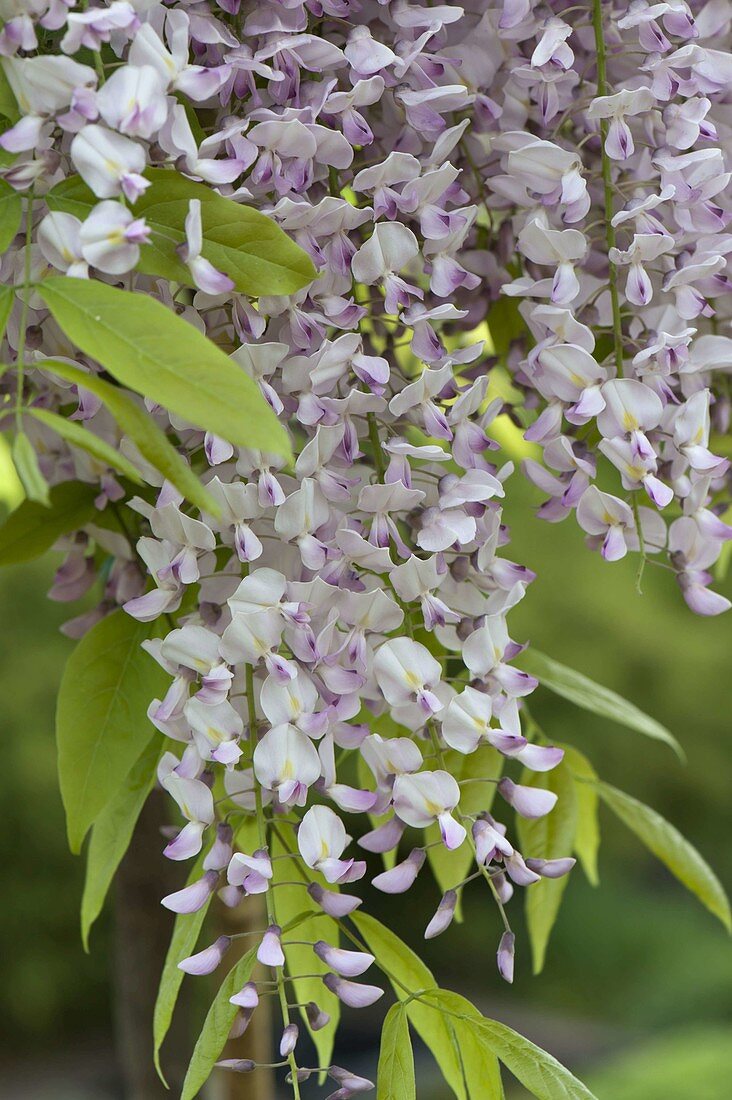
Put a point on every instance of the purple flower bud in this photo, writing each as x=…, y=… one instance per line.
x=349, y=964
x=383, y=839
x=206, y=961
x=401, y=877
x=348, y=1081
x=247, y=997
x=192, y=898
x=288, y=1042
x=443, y=916
x=505, y=956
x=353, y=994
x=317, y=1018
x=220, y=854
x=237, y=1065
x=241, y=1023
x=270, y=951
x=551, y=868
x=529, y=802
x=335, y=905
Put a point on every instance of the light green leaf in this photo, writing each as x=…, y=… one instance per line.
x=216, y=1026
x=11, y=214
x=451, y=867
x=395, y=1077
x=186, y=931
x=585, y=693
x=8, y=102
x=480, y=1065
x=101, y=717
x=7, y=300
x=408, y=974
x=26, y=465
x=668, y=845
x=292, y=902
x=539, y=1072
x=32, y=529
x=243, y=243
x=548, y=837
x=587, y=836
x=136, y=422
x=151, y=350
x=73, y=433
x=112, y=832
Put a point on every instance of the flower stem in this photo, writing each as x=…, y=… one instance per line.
x=269, y=895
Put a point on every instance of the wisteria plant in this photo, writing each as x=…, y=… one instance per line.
x=284, y=285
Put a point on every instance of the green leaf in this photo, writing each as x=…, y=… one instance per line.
x=32, y=529
x=668, y=845
x=539, y=1072
x=112, y=832
x=186, y=930
x=292, y=902
x=583, y=692
x=8, y=102
x=243, y=243
x=216, y=1026
x=151, y=350
x=101, y=717
x=395, y=1078
x=548, y=837
x=78, y=436
x=136, y=422
x=11, y=214
x=7, y=300
x=408, y=975
x=26, y=465
x=451, y=867
x=587, y=836
x=480, y=1064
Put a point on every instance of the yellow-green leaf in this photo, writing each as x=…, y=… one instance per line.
x=216, y=1026
x=11, y=214
x=246, y=245
x=451, y=867
x=587, y=836
x=395, y=1076
x=150, y=349
x=32, y=529
x=101, y=717
x=549, y=837
x=408, y=974
x=112, y=832
x=186, y=930
x=585, y=693
x=292, y=902
x=25, y=460
x=77, y=436
x=668, y=845
x=136, y=422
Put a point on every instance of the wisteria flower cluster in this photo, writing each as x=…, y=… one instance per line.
x=330, y=613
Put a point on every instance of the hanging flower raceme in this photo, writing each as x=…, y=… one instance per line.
x=335, y=625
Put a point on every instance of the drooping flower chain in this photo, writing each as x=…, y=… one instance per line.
x=432, y=161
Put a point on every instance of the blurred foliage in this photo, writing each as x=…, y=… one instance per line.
x=630, y=965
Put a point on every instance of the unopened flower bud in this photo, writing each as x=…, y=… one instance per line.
x=443, y=916
x=206, y=961
x=288, y=1042
x=505, y=956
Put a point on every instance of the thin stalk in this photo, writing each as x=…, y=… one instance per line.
x=25, y=306
x=269, y=895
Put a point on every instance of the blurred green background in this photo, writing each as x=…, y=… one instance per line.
x=637, y=992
